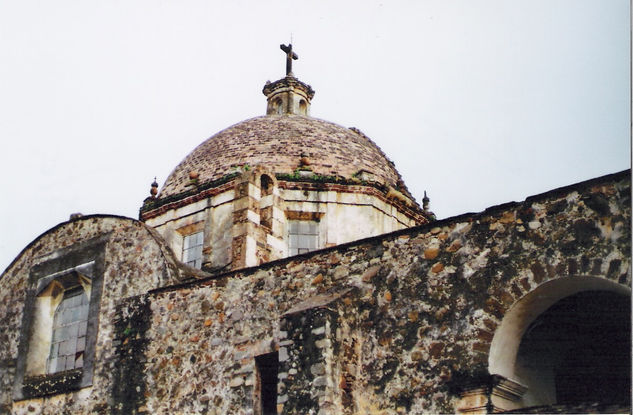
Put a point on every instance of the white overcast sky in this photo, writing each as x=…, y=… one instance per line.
x=477, y=102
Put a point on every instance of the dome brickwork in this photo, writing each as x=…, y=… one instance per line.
x=279, y=185
x=282, y=143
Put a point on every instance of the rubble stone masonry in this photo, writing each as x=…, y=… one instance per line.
x=387, y=325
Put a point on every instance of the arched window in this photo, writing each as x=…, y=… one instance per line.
x=266, y=184
x=279, y=107
x=303, y=107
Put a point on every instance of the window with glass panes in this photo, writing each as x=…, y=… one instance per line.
x=69, y=332
x=192, y=249
x=303, y=236
x=59, y=327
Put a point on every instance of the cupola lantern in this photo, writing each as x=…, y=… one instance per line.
x=288, y=95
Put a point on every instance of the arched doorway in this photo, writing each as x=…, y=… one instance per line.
x=568, y=341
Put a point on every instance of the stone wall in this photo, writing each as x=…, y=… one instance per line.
x=395, y=324
x=392, y=324
x=135, y=261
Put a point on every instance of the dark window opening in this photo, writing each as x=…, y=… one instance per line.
x=266, y=388
x=279, y=107
x=266, y=185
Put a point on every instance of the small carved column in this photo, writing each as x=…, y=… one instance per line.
x=490, y=394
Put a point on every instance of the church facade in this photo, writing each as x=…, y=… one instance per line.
x=283, y=267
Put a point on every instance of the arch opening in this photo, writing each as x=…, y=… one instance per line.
x=568, y=342
x=578, y=351
x=279, y=106
x=266, y=185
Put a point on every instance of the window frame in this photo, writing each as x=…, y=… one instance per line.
x=315, y=233
x=180, y=233
x=58, y=270
x=193, y=248
x=67, y=326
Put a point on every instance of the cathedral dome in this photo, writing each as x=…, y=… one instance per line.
x=283, y=144
x=279, y=185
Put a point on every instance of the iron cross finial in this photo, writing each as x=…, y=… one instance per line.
x=290, y=55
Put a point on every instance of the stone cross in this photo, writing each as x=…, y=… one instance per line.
x=290, y=55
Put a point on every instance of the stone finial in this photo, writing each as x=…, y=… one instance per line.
x=304, y=160
x=425, y=207
x=154, y=189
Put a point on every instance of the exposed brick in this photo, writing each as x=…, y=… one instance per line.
x=490, y=324
x=538, y=272
x=516, y=290
x=431, y=253
x=437, y=268
x=494, y=307
x=484, y=335
x=435, y=349
x=481, y=347
x=370, y=273
x=504, y=297
x=256, y=141
x=614, y=269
